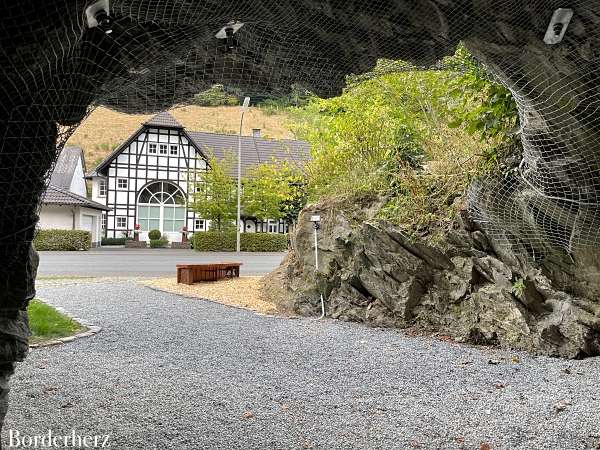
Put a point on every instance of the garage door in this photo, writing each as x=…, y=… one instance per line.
x=87, y=224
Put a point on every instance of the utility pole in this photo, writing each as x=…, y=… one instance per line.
x=239, y=176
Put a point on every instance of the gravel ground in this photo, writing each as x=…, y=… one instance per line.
x=168, y=372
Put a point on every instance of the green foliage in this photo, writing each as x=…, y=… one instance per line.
x=518, y=288
x=47, y=323
x=154, y=234
x=62, y=240
x=414, y=138
x=484, y=108
x=159, y=243
x=216, y=96
x=211, y=241
x=215, y=193
x=114, y=241
x=273, y=191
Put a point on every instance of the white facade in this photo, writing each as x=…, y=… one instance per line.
x=154, y=158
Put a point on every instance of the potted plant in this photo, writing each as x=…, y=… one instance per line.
x=136, y=232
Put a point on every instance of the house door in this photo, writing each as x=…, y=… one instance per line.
x=161, y=206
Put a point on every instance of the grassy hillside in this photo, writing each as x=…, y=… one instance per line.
x=104, y=129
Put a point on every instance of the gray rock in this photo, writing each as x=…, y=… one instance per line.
x=372, y=272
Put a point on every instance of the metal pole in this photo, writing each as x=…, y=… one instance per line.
x=239, y=187
x=239, y=178
x=316, y=225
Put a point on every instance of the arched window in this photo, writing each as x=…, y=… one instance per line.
x=161, y=206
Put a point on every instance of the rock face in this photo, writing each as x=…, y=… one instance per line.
x=371, y=272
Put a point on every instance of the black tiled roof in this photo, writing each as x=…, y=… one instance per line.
x=254, y=150
x=56, y=196
x=65, y=167
x=163, y=119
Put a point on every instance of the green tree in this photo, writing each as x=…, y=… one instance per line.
x=275, y=191
x=215, y=194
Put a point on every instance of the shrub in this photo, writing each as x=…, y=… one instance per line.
x=65, y=240
x=212, y=241
x=114, y=241
x=154, y=235
x=159, y=243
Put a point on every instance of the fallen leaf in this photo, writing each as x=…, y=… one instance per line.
x=459, y=440
x=515, y=359
x=484, y=446
x=248, y=414
x=415, y=444
x=562, y=405
x=499, y=385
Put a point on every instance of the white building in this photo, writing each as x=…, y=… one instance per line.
x=146, y=179
x=64, y=204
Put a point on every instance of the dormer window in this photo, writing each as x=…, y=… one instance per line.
x=162, y=149
x=152, y=149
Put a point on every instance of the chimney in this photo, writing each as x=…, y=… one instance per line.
x=256, y=132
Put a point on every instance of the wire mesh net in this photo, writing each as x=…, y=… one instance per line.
x=62, y=58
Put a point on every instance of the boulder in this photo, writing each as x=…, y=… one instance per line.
x=372, y=272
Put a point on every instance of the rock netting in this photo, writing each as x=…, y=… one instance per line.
x=372, y=272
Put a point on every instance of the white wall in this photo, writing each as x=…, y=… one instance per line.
x=78, y=182
x=56, y=217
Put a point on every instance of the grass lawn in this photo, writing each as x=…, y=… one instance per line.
x=47, y=323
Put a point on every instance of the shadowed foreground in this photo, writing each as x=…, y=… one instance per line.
x=170, y=372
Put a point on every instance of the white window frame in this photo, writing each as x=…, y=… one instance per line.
x=275, y=225
x=163, y=149
x=152, y=148
x=121, y=188
x=199, y=224
x=103, y=221
x=174, y=150
x=117, y=220
x=102, y=187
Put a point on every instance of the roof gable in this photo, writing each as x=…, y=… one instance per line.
x=163, y=120
x=66, y=166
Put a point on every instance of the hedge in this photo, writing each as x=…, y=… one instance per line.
x=114, y=241
x=63, y=240
x=213, y=241
x=159, y=243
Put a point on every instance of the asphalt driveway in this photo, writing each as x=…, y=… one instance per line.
x=125, y=262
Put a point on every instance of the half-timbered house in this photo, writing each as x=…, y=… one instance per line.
x=147, y=179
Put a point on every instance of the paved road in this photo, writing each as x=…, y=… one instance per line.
x=174, y=373
x=145, y=262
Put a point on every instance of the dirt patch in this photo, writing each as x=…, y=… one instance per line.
x=243, y=292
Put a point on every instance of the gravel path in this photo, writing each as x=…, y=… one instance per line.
x=173, y=373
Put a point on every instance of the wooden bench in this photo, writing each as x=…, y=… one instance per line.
x=193, y=273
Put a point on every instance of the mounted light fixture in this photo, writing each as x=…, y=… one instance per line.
x=98, y=15
x=558, y=26
x=227, y=33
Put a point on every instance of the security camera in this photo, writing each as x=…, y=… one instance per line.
x=98, y=15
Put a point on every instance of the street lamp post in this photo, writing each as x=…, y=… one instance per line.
x=239, y=176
